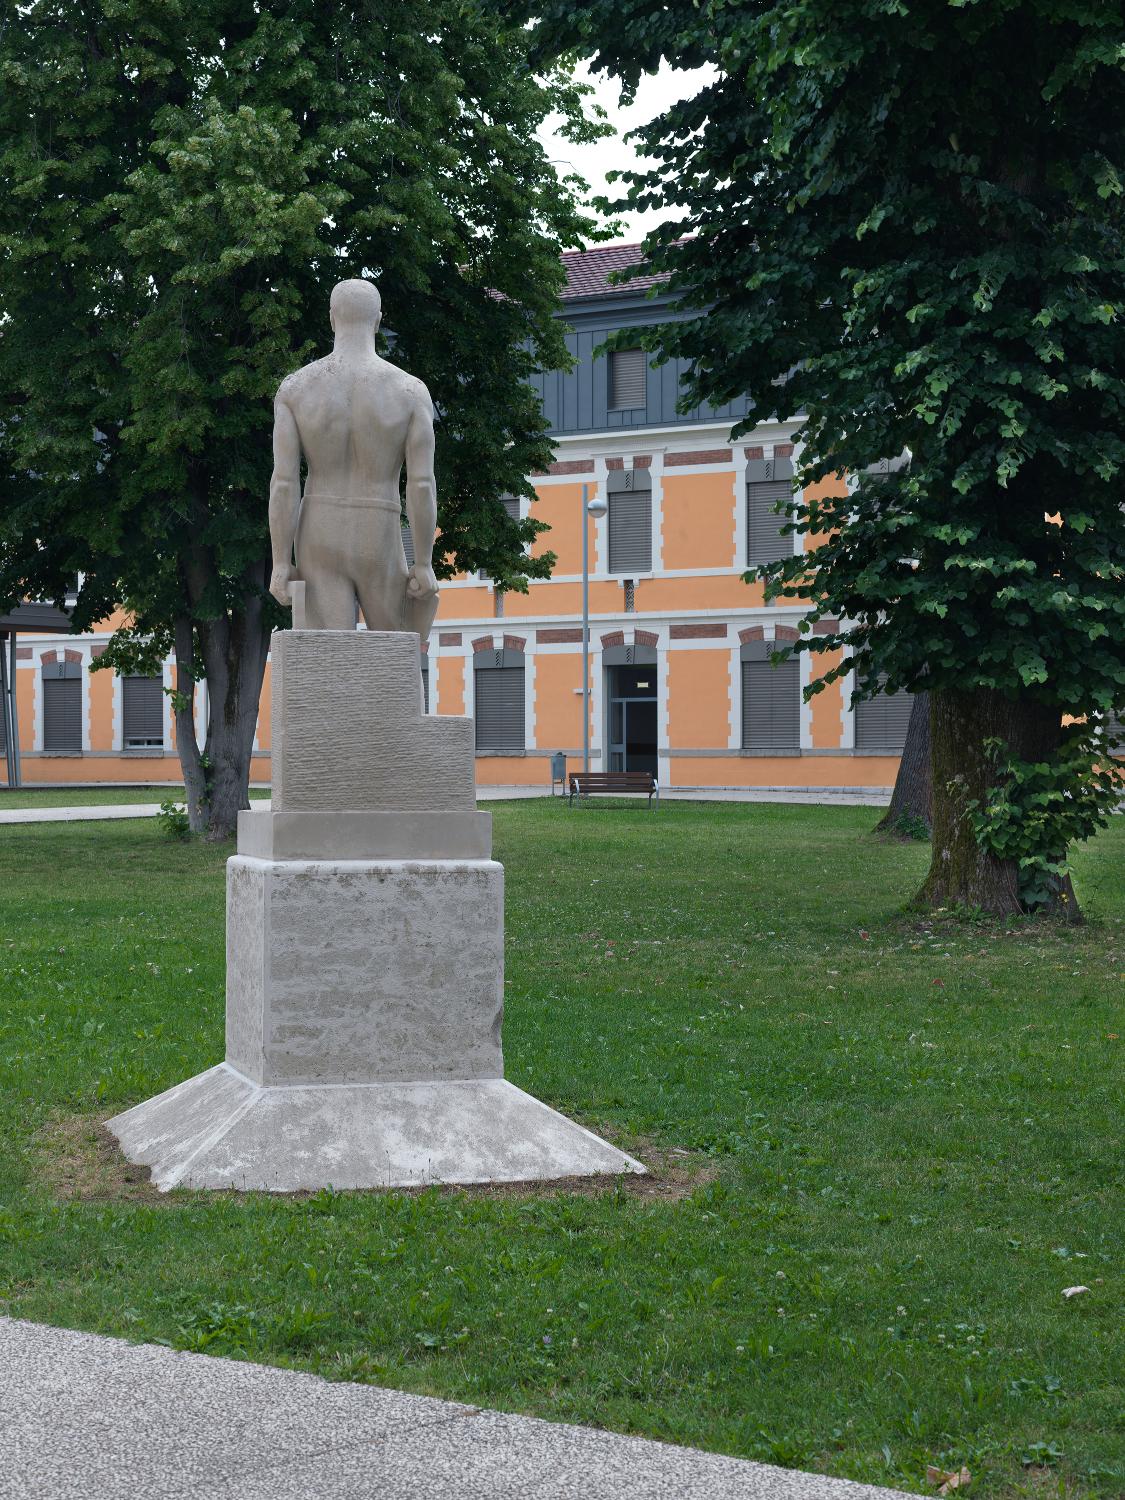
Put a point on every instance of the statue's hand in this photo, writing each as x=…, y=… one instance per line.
x=279, y=583
x=422, y=582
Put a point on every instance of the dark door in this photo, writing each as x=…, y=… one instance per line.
x=632, y=718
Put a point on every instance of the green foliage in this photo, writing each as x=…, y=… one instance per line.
x=173, y=819
x=905, y=223
x=910, y=826
x=180, y=187
x=1034, y=811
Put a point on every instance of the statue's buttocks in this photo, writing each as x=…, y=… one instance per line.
x=357, y=420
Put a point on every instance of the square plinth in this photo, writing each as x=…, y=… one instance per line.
x=364, y=971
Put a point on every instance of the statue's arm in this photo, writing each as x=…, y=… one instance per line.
x=285, y=496
x=421, y=492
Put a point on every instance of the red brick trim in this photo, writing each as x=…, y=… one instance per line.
x=515, y=642
x=484, y=643
x=51, y=656
x=697, y=632
x=75, y=656
x=614, y=464
x=786, y=633
x=758, y=452
x=642, y=461
x=702, y=456
x=556, y=636
x=752, y=633
x=614, y=638
x=826, y=627
x=783, y=450
x=572, y=466
x=645, y=637
x=103, y=646
x=449, y=638
x=23, y=653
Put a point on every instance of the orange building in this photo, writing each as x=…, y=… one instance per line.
x=680, y=677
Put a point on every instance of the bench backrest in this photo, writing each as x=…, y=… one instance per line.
x=613, y=781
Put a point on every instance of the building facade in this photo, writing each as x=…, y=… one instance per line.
x=681, y=681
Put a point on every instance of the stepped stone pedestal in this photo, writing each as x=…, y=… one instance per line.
x=365, y=959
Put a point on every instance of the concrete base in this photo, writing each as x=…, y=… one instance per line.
x=220, y=1130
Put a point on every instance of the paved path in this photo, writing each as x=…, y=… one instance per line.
x=92, y=1418
x=865, y=798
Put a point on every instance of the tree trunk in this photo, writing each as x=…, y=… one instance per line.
x=913, y=796
x=961, y=872
x=234, y=648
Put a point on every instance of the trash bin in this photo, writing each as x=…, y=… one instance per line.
x=558, y=770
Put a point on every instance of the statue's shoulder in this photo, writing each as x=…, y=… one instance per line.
x=301, y=380
x=414, y=390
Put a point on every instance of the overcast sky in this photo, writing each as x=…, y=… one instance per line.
x=655, y=93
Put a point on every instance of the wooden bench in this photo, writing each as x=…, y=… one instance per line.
x=614, y=784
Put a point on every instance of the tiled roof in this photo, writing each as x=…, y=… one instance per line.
x=588, y=272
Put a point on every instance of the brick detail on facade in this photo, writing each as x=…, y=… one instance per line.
x=699, y=456
x=569, y=466
x=614, y=638
x=557, y=635
x=23, y=653
x=645, y=637
x=484, y=643
x=642, y=461
x=102, y=646
x=449, y=638
x=826, y=627
x=697, y=632
x=751, y=633
x=73, y=656
x=615, y=463
x=786, y=633
x=49, y=656
x=783, y=450
x=757, y=452
x=515, y=642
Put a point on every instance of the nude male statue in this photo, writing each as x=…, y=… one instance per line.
x=357, y=419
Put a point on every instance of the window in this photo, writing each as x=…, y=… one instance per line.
x=630, y=522
x=769, y=482
x=425, y=683
x=142, y=712
x=771, y=699
x=62, y=705
x=498, y=680
x=881, y=722
x=628, y=373
x=408, y=544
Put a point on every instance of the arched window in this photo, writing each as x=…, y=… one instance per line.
x=771, y=699
x=498, y=678
x=62, y=705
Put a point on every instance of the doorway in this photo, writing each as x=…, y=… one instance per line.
x=632, y=718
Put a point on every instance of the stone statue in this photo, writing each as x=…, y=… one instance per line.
x=356, y=419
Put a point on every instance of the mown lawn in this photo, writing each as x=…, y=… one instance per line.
x=912, y=1131
x=93, y=796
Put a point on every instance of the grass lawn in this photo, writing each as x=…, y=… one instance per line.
x=912, y=1131
x=93, y=796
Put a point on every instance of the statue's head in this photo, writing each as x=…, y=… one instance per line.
x=355, y=304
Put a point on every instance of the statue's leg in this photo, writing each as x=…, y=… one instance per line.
x=323, y=546
x=381, y=573
x=329, y=601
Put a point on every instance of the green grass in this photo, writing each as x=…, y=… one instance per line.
x=916, y=1125
x=94, y=796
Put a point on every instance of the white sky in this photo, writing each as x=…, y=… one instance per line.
x=656, y=92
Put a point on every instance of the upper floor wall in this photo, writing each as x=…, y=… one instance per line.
x=579, y=400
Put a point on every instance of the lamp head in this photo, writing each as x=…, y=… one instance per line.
x=597, y=506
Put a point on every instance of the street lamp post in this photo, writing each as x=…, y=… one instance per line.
x=594, y=507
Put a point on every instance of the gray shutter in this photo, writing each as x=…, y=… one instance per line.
x=765, y=541
x=630, y=531
x=142, y=711
x=511, y=504
x=628, y=372
x=499, y=708
x=62, y=712
x=771, y=700
x=881, y=722
x=426, y=683
x=408, y=544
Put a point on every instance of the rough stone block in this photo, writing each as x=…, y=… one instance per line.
x=349, y=732
x=342, y=971
x=264, y=834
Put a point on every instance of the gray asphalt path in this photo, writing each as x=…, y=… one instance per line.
x=84, y=1417
x=865, y=798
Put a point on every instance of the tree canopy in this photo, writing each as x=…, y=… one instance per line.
x=181, y=185
x=903, y=221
